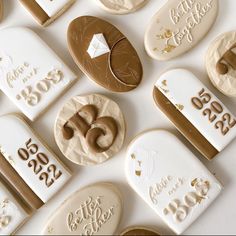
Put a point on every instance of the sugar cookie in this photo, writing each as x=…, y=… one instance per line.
x=104, y=54
x=90, y=129
x=170, y=179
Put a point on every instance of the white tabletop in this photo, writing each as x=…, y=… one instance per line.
x=140, y=113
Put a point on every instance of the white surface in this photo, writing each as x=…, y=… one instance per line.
x=192, y=86
x=140, y=113
x=164, y=178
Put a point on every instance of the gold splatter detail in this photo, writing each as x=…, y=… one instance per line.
x=194, y=182
x=138, y=172
x=179, y=107
x=133, y=156
x=169, y=48
x=154, y=49
x=164, y=82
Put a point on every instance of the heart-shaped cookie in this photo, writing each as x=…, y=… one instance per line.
x=104, y=54
x=174, y=183
x=178, y=26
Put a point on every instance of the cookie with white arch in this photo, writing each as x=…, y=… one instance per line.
x=221, y=63
x=170, y=179
x=178, y=26
x=30, y=81
x=93, y=210
x=46, y=11
x=90, y=129
x=121, y=7
x=104, y=54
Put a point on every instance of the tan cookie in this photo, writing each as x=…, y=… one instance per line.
x=121, y=7
x=93, y=210
x=138, y=231
x=1, y=9
x=44, y=11
x=221, y=63
x=104, y=54
x=178, y=26
x=89, y=129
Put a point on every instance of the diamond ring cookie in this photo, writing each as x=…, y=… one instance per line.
x=104, y=54
x=46, y=11
x=197, y=113
x=31, y=82
x=170, y=179
x=178, y=26
x=12, y=212
x=221, y=63
x=90, y=129
x=32, y=163
x=138, y=231
x=93, y=210
x=121, y=7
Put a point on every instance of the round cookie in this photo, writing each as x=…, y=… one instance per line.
x=221, y=63
x=93, y=210
x=90, y=129
x=121, y=7
x=104, y=54
x=138, y=231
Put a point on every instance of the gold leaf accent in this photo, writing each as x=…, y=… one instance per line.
x=179, y=107
x=138, y=172
x=194, y=182
x=169, y=48
x=164, y=82
x=133, y=156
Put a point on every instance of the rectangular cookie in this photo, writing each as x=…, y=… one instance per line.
x=33, y=161
x=46, y=11
x=12, y=214
x=197, y=113
x=32, y=75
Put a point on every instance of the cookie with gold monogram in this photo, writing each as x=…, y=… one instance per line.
x=93, y=210
x=90, y=129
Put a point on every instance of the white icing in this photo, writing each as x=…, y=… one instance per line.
x=15, y=133
x=98, y=46
x=169, y=187
x=52, y=7
x=180, y=87
x=32, y=75
x=12, y=214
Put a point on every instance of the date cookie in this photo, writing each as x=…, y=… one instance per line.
x=197, y=113
x=90, y=129
x=104, y=54
x=138, y=231
x=93, y=210
x=221, y=63
x=46, y=11
x=178, y=26
x=170, y=179
x=27, y=164
x=121, y=7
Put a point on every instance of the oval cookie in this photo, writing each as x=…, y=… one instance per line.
x=104, y=54
x=93, y=210
x=197, y=113
x=90, y=129
x=121, y=7
x=170, y=179
x=138, y=231
x=178, y=26
x=221, y=63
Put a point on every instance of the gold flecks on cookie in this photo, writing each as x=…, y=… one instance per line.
x=164, y=82
x=50, y=229
x=138, y=172
x=133, y=156
x=169, y=48
x=194, y=182
x=179, y=107
x=155, y=49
